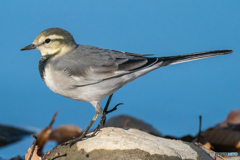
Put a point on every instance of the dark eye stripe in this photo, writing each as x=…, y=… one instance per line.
x=50, y=40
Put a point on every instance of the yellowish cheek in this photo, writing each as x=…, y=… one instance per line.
x=55, y=45
x=49, y=51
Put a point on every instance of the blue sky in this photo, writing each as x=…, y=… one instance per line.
x=170, y=98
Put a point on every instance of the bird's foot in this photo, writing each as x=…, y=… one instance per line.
x=103, y=119
x=105, y=112
x=73, y=141
x=102, y=122
x=113, y=109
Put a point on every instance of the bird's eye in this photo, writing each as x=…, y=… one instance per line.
x=47, y=40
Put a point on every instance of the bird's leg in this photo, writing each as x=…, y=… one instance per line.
x=72, y=142
x=98, y=112
x=103, y=118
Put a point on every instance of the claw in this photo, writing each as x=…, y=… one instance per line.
x=90, y=136
x=72, y=142
x=65, y=143
x=114, y=108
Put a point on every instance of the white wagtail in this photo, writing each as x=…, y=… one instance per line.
x=88, y=73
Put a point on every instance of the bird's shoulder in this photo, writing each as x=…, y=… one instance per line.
x=83, y=58
x=92, y=52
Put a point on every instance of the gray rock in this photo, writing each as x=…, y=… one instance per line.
x=125, y=121
x=116, y=143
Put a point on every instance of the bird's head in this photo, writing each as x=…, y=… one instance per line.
x=52, y=41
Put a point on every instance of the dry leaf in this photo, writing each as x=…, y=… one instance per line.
x=43, y=136
x=232, y=118
x=34, y=156
x=65, y=133
x=207, y=146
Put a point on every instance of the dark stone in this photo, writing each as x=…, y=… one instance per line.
x=9, y=134
x=125, y=121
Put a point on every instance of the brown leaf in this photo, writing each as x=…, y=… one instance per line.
x=43, y=136
x=232, y=118
x=34, y=156
x=65, y=133
x=207, y=146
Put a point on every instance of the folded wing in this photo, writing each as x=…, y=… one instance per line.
x=89, y=65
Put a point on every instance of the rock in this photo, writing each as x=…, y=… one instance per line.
x=9, y=134
x=116, y=143
x=222, y=139
x=186, y=138
x=125, y=121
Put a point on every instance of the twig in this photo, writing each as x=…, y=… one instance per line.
x=200, y=126
x=34, y=145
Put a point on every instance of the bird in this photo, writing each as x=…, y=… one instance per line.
x=88, y=73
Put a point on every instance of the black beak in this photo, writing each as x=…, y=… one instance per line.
x=31, y=46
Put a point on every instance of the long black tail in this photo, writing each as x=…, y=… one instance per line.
x=191, y=57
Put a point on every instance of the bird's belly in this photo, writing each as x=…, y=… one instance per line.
x=87, y=93
x=58, y=82
x=66, y=86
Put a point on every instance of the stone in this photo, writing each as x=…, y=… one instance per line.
x=10, y=134
x=116, y=143
x=126, y=121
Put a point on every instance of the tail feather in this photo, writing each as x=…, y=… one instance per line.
x=191, y=57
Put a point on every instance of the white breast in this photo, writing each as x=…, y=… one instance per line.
x=60, y=83
x=49, y=78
